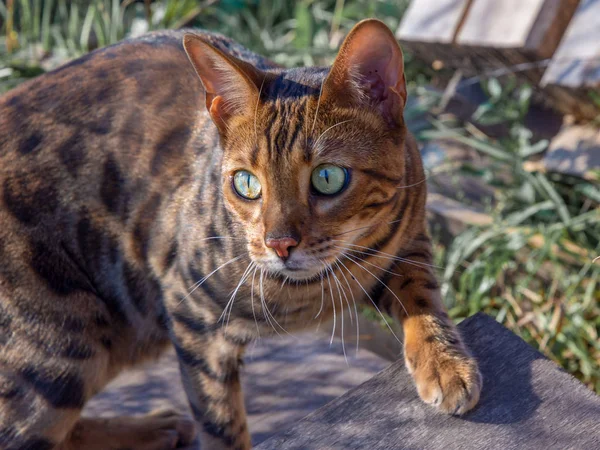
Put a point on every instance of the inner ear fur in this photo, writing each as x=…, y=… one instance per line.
x=369, y=71
x=231, y=85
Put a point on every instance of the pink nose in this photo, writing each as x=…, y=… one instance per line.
x=282, y=246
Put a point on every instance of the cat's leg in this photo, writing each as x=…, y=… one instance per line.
x=445, y=373
x=210, y=364
x=40, y=406
x=51, y=364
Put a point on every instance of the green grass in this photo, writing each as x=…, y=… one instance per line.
x=532, y=268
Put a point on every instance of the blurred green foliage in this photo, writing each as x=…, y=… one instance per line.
x=531, y=268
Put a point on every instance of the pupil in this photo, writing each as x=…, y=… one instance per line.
x=326, y=175
x=248, y=182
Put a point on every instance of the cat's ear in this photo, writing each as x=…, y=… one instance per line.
x=230, y=83
x=369, y=70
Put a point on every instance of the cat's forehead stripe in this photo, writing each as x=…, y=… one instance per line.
x=295, y=84
x=285, y=120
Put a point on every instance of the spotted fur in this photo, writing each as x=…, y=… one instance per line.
x=122, y=235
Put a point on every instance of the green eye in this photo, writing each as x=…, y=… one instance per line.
x=246, y=184
x=328, y=179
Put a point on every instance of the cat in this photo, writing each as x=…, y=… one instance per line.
x=177, y=189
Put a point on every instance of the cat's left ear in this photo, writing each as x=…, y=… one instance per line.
x=230, y=83
x=369, y=71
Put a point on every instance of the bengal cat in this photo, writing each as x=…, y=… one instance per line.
x=147, y=202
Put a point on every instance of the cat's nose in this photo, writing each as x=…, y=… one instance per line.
x=282, y=246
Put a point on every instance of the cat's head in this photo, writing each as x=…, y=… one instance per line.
x=312, y=157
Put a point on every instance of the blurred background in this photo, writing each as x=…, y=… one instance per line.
x=508, y=122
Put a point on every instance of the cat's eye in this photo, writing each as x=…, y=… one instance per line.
x=246, y=184
x=328, y=179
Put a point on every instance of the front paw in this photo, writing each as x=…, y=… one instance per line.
x=445, y=377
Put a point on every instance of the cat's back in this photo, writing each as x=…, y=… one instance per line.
x=102, y=135
x=138, y=86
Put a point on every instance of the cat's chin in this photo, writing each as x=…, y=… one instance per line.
x=301, y=274
x=297, y=273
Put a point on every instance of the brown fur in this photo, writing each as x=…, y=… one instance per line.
x=116, y=201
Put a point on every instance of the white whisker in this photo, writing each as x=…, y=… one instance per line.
x=384, y=255
x=353, y=301
x=219, y=237
x=252, y=300
x=229, y=305
x=417, y=183
x=367, y=262
x=338, y=284
x=374, y=304
x=199, y=283
x=364, y=228
x=378, y=279
x=332, y=126
x=256, y=107
x=322, y=296
x=268, y=315
x=333, y=304
x=318, y=105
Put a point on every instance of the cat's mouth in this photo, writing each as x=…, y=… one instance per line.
x=299, y=270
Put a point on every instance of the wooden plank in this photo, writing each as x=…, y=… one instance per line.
x=527, y=402
x=284, y=379
x=491, y=23
x=533, y=27
x=575, y=151
x=432, y=20
x=576, y=62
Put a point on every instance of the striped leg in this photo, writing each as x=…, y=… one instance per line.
x=40, y=408
x=33, y=414
x=210, y=371
x=50, y=366
x=444, y=371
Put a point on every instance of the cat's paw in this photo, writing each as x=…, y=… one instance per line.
x=161, y=430
x=446, y=378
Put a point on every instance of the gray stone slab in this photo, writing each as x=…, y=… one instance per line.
x=528, y=402
x=285, y=378
x=575, y=151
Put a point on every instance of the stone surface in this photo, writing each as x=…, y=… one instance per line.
x=448, y=218
x=575, y=151
x=527, y=403
x=285, y=378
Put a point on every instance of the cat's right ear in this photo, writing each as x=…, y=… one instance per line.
x=230, y=83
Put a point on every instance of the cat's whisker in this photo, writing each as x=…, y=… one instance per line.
x=322, y=295
x=266, y=311
x=252, y=300
x=379, y=254
x=229, y=304
x=220, y=237
x=256, y=107
x=263, y=303
x=333, y=304
x=364, y=228
x=245, y=276
x=338, y=284
x=337, y=263
x=199, y=283
x=378, y=279
x=417, y=183
x=371, y=299
x=318, y=104
x=343, y=292
x=369, y=263
x=283, y=282
x=331, y=127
